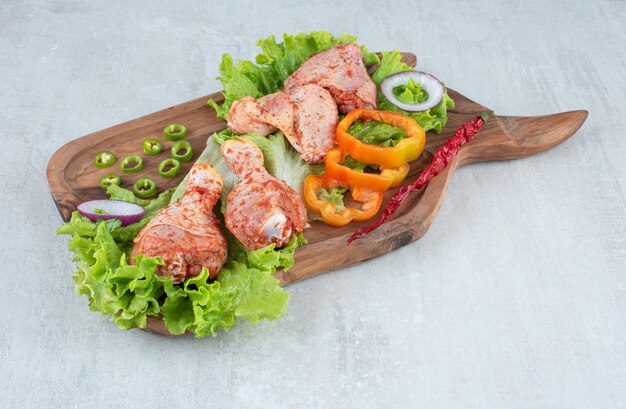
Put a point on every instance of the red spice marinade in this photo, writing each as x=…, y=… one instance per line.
x=442, y=158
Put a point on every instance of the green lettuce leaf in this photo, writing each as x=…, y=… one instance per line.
x=236, y=85
x=433, y=119
x=390, y=63
x=411, y=93
x=264, y=298
x=116, y=192
x=333, y=195
x=274, y=64
x=286, y=57
x=128, y=293
x=283, y=161
x=239, y=292
x=245, y=287
x=378, y=133
x=270, y=258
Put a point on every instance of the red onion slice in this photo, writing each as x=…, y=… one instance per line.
x=433, y=87
x=127, y=212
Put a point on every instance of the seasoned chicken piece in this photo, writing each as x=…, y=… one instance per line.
x=307, y=115
x=261, y=209
x=186, y=234
x=315, y=121
x=341, y=71
x=278, y=111
x=245, y=116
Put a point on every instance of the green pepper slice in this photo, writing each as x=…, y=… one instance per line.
x=182, y=151
x=169, y=168
x=174, y=132
x=110, y=179
x=152, y=146
x=145, y=187
x=104, y=159
x=131, y=164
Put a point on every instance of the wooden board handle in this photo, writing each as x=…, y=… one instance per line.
x=512, y=137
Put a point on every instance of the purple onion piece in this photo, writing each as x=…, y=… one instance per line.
x=433, y=87
x=127, y=212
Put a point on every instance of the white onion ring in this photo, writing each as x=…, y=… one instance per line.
x=127, y=212
x=433, y=87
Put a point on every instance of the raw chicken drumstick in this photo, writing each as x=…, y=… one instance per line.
x=186, y=234
x=307, y=115
x=261, y=209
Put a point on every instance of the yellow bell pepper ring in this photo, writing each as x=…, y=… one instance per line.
x=369, y=199
x=380, y=182
x=406, y=150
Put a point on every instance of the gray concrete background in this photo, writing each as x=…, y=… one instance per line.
x=514, y=299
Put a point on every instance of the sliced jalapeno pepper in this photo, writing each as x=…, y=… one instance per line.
x=131, y=164
x=174, y=132
x=169, y=168
x=104, y=159
x=152, y=146
x=182, y=151
x=145, y=187
x=110, y=179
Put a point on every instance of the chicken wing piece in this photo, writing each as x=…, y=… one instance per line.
x=341, y=71
x=261, y=209
x=278, y=112
x=246, y=116
x=307, y=115
x=186, y=234
x=315, y=121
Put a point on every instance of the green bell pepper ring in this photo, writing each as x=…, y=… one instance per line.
x=182, y=151
x=145, y=187
x=131, y=164
x=169, y=168
x=174, y=132
x=110, y=179
x=152, y=146
x=104, y=159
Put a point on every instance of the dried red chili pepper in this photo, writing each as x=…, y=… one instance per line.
x=442, y=158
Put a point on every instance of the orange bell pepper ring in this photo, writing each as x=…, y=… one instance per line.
x=369, y=199
x=380, y=182
x=406, y=150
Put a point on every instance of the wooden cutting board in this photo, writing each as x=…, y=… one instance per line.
x=73, y=178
